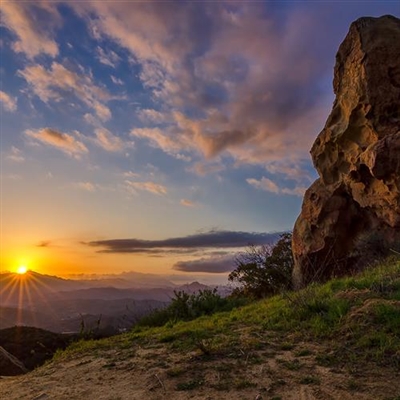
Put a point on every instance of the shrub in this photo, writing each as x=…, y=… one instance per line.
x=264, y=271
x=186, y=307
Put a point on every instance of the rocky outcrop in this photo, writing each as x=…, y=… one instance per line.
x=10, y=365
x=357, y=155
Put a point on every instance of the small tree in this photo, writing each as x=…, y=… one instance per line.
x=266, y=270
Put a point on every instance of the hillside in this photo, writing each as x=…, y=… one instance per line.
x=331, y=341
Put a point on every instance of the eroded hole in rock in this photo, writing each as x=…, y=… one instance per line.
x=365, y=174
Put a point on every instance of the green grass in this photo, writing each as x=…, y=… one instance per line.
x=321, y=311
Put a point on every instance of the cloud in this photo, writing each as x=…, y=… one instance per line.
x=10, y=104
x=151, y=187
x=61, y=141
x=44, y=243
x=154, y=116
x=250, y=86
x=108, y=141
x=109, y=57
x=202, y=169
x=130, y=174
x=116, y=80
x=87, y=186
x=187, y=203
x=160, y=139
x=269, y=186
x=215, y=265
x=15, y=155
x=209, y=240
x=32, y=37
x=55, y=82
x=218, y=69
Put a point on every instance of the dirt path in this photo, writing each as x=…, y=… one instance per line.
x=159, y=373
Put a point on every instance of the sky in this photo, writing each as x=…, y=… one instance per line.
x=160, y=136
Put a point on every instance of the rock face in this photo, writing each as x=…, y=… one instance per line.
x=357, y=155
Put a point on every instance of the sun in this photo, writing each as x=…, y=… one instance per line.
x=22, y=270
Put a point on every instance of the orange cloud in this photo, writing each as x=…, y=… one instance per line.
x=32, y=38
x=62, y=141
x=151, y=187
x=10, y=104
x=49, y=84
x=269, y=186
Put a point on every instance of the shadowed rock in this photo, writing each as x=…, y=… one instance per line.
x=10, y=365
x=357, y=155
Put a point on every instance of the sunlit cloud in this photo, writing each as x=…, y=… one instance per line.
x=65, y=142
x=269, y=186
x=158, y=138
x=32, y=37
x=250, y=102
x=51, y=84
x=87, y=186
x=204, y=168
x=188, y=203
x=108, y=141
x=149, y=186
x=9, y=103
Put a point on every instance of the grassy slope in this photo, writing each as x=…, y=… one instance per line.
x=355, y=321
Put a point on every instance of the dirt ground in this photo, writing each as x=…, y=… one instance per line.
x=156, y=372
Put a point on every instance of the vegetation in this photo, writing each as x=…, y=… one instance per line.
x=186, y=307
x=350, y=325
x=359, y=316
x=264, y=271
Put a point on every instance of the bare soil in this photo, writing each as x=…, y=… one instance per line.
x=298, y=370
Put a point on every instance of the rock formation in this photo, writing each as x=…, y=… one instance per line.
x=357, y=155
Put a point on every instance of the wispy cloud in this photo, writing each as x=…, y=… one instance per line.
x=51, y=84
x=215, y=265
x=44, y=243
x=65, y=142
x=87, y=186
x=108, y=141
x=213, y=239
x=268, y=185
x=33, y=37
x=15, y=155
x=204, y=168
x=109, y=57
x=153, y=116
x=188, y=203
x=148, y=186
x=116, y=80
x=10, y=103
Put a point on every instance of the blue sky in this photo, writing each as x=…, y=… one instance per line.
x=159, y=120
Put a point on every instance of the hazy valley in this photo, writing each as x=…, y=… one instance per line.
x=64, y=305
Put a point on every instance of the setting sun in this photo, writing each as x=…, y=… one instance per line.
x=22, y=269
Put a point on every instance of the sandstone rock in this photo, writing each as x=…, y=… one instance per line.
x=357, y=155
x=10, y=365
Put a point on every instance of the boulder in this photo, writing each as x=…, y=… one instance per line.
x=357, y=155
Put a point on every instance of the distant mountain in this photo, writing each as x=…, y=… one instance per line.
x=67, y=305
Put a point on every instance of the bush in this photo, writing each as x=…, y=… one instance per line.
x=264, y=271
x=186, y=307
